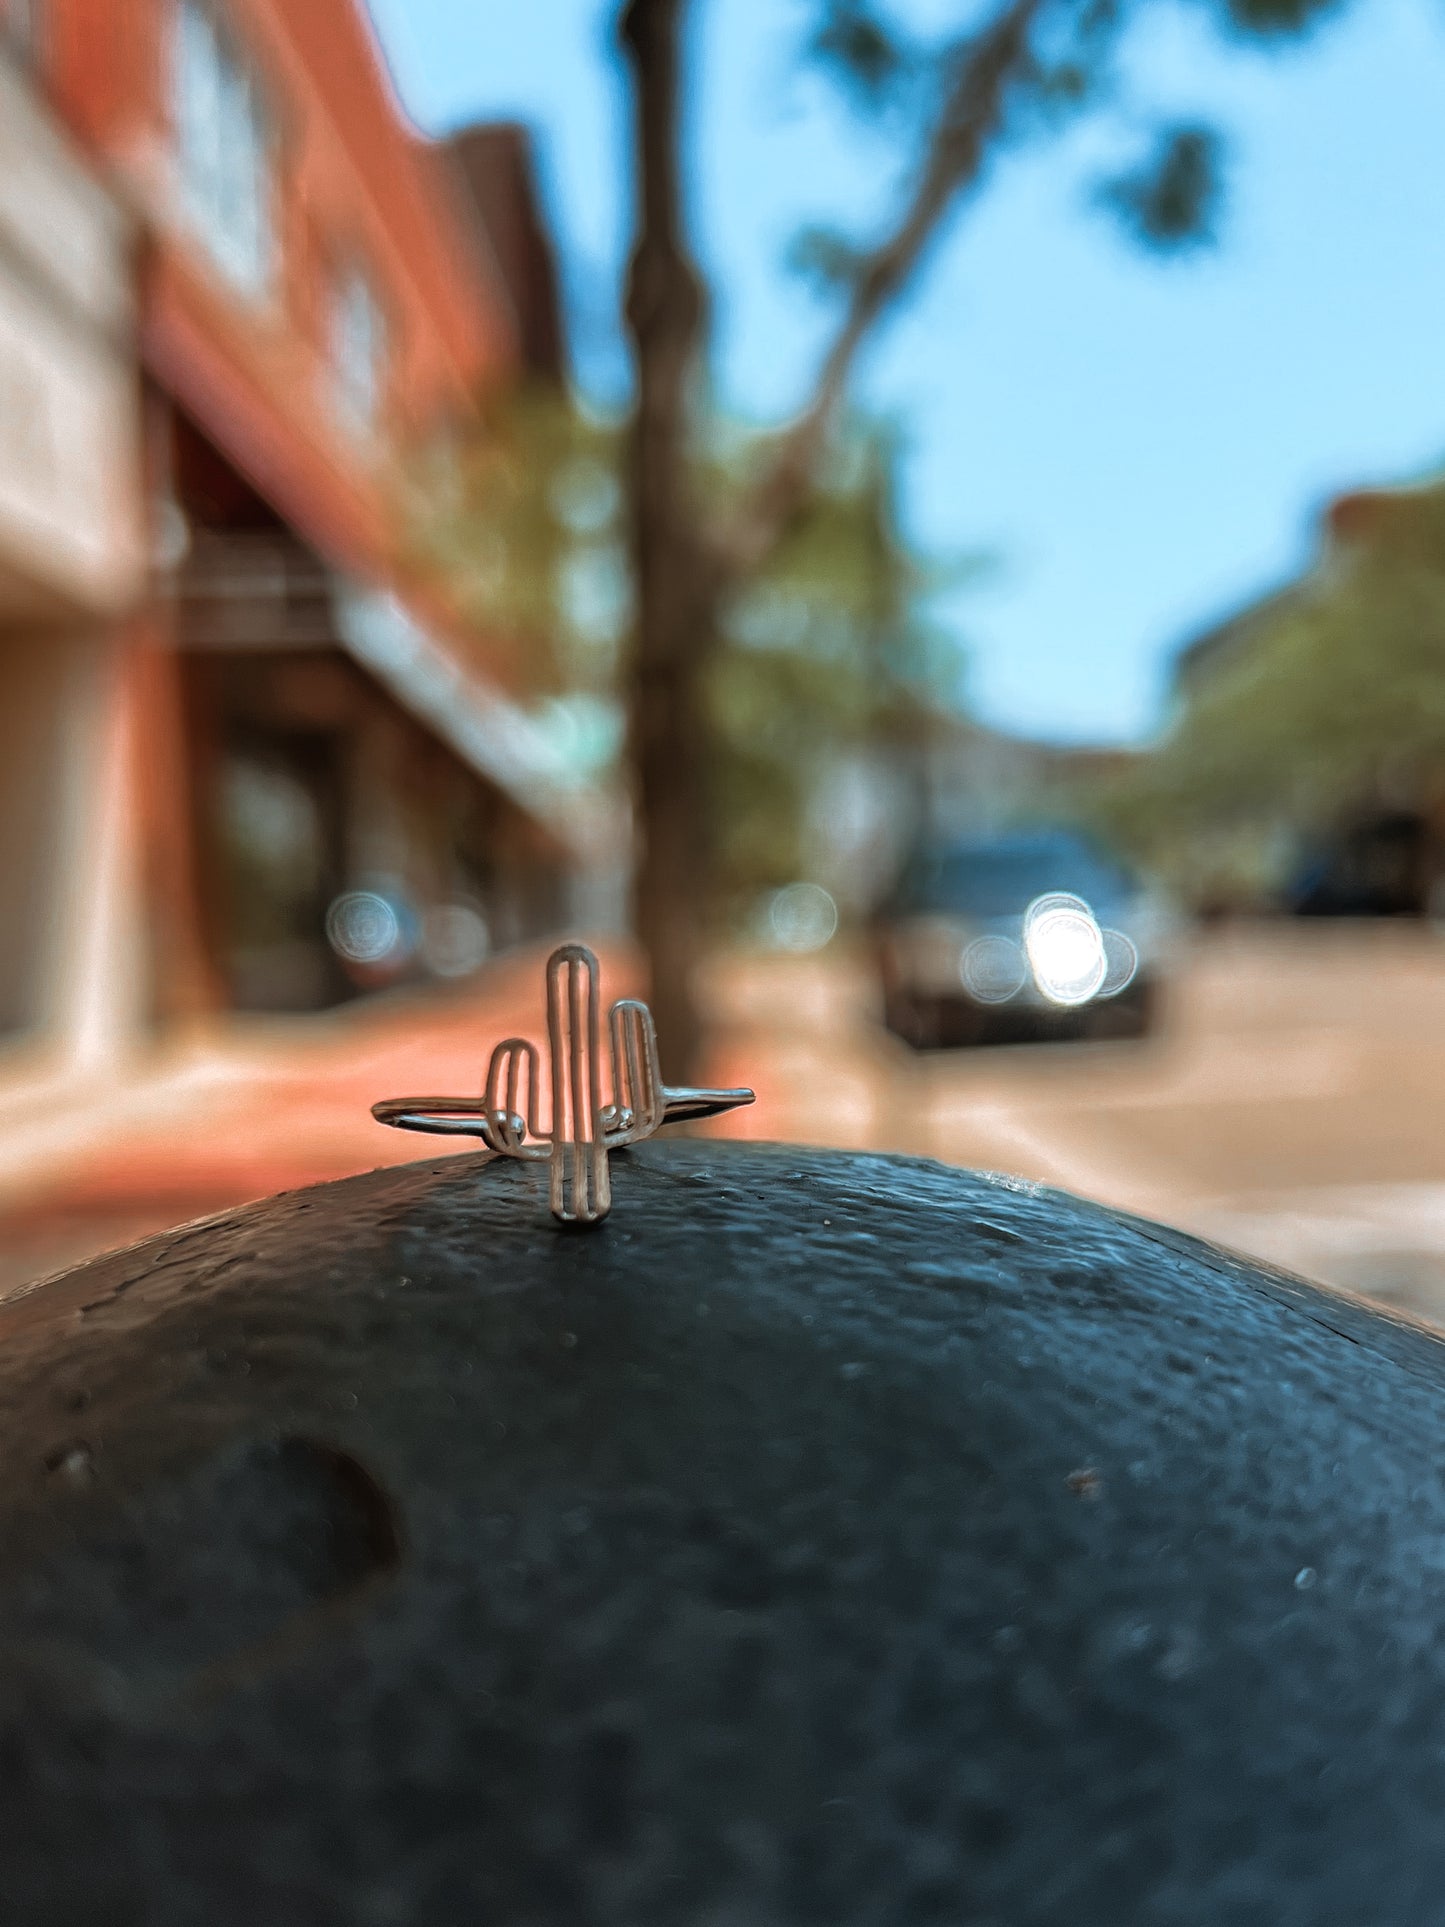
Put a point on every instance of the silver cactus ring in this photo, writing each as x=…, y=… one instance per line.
x=584, y=1127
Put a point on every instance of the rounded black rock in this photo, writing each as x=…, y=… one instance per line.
x=826, y=1538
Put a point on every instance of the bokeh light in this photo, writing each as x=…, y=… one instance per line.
x=363, y=927
x=1065, y=949
x=802, y=917
x=993, y=969
x=454, y=939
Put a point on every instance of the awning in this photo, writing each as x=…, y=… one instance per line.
x=487, y=730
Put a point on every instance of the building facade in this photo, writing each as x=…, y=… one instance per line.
x=318, y=779
x=71, y=567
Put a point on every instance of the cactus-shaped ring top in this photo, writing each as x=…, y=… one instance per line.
x=584, y=1126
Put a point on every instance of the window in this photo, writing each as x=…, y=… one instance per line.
x=223, y=138
x=359, y=349
x=20, y=25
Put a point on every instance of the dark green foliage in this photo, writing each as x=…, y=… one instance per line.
x=825, y=654
x=524, y=525
x=1331, y=701
x=1065, y=84
x=1276, y=19
x=853, y=43
x=819, y=652
x=822, y=256
x=1171, y=199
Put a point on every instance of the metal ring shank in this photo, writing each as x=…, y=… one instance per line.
x=678, y=1105
x=441, y=1116
x=466, y=1116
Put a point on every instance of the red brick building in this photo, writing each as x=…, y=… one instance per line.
x=319, y=779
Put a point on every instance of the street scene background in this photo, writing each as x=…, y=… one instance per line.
x=918, y=533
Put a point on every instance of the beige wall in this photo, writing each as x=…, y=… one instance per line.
x=70, y=955
x=70, y=489
x=71, y=564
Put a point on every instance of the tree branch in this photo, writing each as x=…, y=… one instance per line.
x=971, y=116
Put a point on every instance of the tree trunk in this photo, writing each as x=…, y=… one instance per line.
x=681, y=567
x=677, y=585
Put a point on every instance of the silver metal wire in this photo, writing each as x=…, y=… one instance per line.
x=584, y=1128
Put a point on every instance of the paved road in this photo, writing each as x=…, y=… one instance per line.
x=1292, y=1104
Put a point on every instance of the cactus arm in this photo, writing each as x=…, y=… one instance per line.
x=511, y=1101
x=638, y=1103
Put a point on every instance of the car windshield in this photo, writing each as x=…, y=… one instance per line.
x=1003, y=878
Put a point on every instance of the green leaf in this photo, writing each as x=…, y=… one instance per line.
x=824, y=257
x=1170, y=200
x=853, y=43
x=1276, y=19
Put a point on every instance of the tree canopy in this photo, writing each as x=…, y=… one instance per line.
x=823, y=651
x=711, y=542
x=1330, y=701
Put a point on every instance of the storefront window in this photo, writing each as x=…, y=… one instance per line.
x=222, y=139
x=359, y=349
x=280, y=800
x=20, y=26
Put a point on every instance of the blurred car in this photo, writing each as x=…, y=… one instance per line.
x=1017, y=938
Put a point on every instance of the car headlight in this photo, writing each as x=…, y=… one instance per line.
x=1065, y=948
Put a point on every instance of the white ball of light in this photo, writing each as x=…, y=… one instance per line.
x=1065, y=948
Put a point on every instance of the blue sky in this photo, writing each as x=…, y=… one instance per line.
x=1141, y=445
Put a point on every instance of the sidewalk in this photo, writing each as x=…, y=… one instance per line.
x=268, y=1105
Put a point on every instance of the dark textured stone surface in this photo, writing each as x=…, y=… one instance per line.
x=825, y=1539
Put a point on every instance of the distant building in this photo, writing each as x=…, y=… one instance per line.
x=313, y=777
x=1383, y=853
x=1223, y=642
x=1366, y=520
x=979, y=780
x=956, y=779
x=498, y=167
